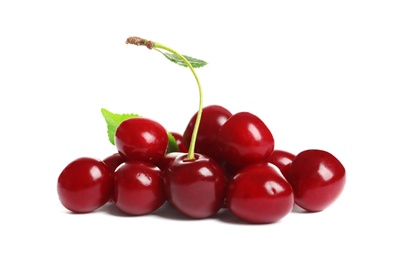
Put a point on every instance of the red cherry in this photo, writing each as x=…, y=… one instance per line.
x=84, y=185
x=282, y=160
x=168, y=159
x=141, y=139
x=180, y=142
x=245, y=139
x=229, y=169
x=259, y=194
x=113, y=161
x=138, y=188
x=195, y=187
x=317, y=178
x=213, y=117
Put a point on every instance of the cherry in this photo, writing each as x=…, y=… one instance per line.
x=245, y=139
x=113, y=161
x=84, y=185
x=141, y=139
x=282, y=160
x=180, y=142
x=138, y=188
x=213, y=117
x=259, y=194
x=317, y=178
x=168, y=159
x=229, y=169
x=196, y=186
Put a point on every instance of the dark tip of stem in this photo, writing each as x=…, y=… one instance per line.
x=140, y=42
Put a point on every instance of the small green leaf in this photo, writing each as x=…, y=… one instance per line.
x=113, y=121
x=172, y=144
x=196, y=63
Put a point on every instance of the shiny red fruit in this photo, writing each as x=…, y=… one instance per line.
x=84, y=185
x=317, y=178
x=168, y=159
x=141, y=139
x=212, y=118
x=282, y=160
x=245, y=139
x=113, y=161
x=259, y=194
x=195, y=187
x=138, y=188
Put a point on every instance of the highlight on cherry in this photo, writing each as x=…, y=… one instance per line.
x=222, y=161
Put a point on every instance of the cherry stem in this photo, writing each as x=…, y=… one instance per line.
x=154, y=45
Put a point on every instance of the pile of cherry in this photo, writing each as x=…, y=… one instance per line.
x=235, y=166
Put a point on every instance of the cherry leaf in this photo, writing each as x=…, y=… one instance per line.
x=172, y=144
x=196, y=63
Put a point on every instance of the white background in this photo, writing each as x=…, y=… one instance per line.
x=321, y=74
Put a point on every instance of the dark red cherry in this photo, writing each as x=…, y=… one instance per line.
x=245, y=139
x=195, y=187
x=259, y=194
x=84, y=185
x=141, y=139
x=282, y=160
x=113, y=161
x=317, y=178
x=167, y=159
x=229, y=169
x=212, y=118
x=138, y=188
x=180, y=142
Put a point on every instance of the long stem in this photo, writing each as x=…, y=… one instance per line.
x=154, y=45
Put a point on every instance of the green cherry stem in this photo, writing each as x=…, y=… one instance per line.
x=154, y=45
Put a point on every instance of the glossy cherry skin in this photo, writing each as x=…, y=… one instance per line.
x=245, y=139
x=282, y=160
x=195, y=187
x=113, y=161
x=84, y=185
x=317, y=178
x=229, y=169
x=138, y=188
x=212, y=118
x=167, y=159
x=141, y=139
x=259, y=194
x=180, y=142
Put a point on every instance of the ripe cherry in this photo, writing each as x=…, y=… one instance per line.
x=141, y=139
x=84, y=185
x=282, y=160
x=245, y=139
x=168, y=159
x=259, y=194
x=317, y=178
x=180, y=142
x=195, y=187
x=213, y=117
x=138, y=188
x=113, y=161
x=229, y=169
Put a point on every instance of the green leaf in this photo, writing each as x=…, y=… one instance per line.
x=172, y=144
x=196, y=63
x=113, y=121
